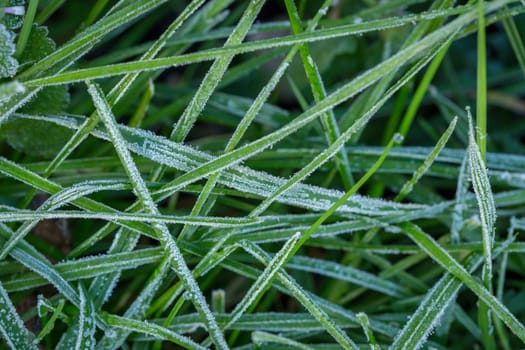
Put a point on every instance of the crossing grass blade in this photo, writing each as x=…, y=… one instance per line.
x=218, y=191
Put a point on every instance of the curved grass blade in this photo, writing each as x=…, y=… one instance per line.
x=365, y=324
x=57, y=200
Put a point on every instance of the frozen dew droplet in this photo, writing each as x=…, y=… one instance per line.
x=186, y=295
x=358, y=20
x=398, y=138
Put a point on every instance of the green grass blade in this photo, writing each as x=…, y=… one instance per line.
x=409, y=185
x=365, y=324
x=481, y=89
x=353, y=29
x=86, y=330
x=214, y=75
x=262, y=283
x=487, y=210
x=318, y=89
x=144, y=196
x=439, y=255
x=157, y=331
x=259, y=338
x=15, y=335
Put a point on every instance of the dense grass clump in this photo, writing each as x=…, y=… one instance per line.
x=262, y=174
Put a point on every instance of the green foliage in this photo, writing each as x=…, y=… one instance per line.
x=261, y=174
x=8, y=64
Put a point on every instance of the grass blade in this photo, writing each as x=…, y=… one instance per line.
x=12, y=327
x=143, y=194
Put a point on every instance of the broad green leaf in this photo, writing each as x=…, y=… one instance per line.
x=37, y=139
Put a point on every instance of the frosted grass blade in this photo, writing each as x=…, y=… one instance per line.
x=442, y=257
x=304, y=298
x=88, y=267
x=214, y=75
x=487, y=211
x=86, y=330
x=142, y=192
x=59, y=199
x=365, y=324
x=265, y=279
x=407, y=187
x=485, y=200
x=461, y=196
x=15, y=335
x=261, y=338
x=330, y=33
x=153, y=329
x=22, y=215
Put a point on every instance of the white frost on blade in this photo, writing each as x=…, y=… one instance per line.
x=12, y=326
x=86, y=331
x=484, y=197
x=305, y=298
x=347, y=273
x=260, y=285
x=459, y=207
x=185, y=158
x=142, y=192
x=8, y=64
